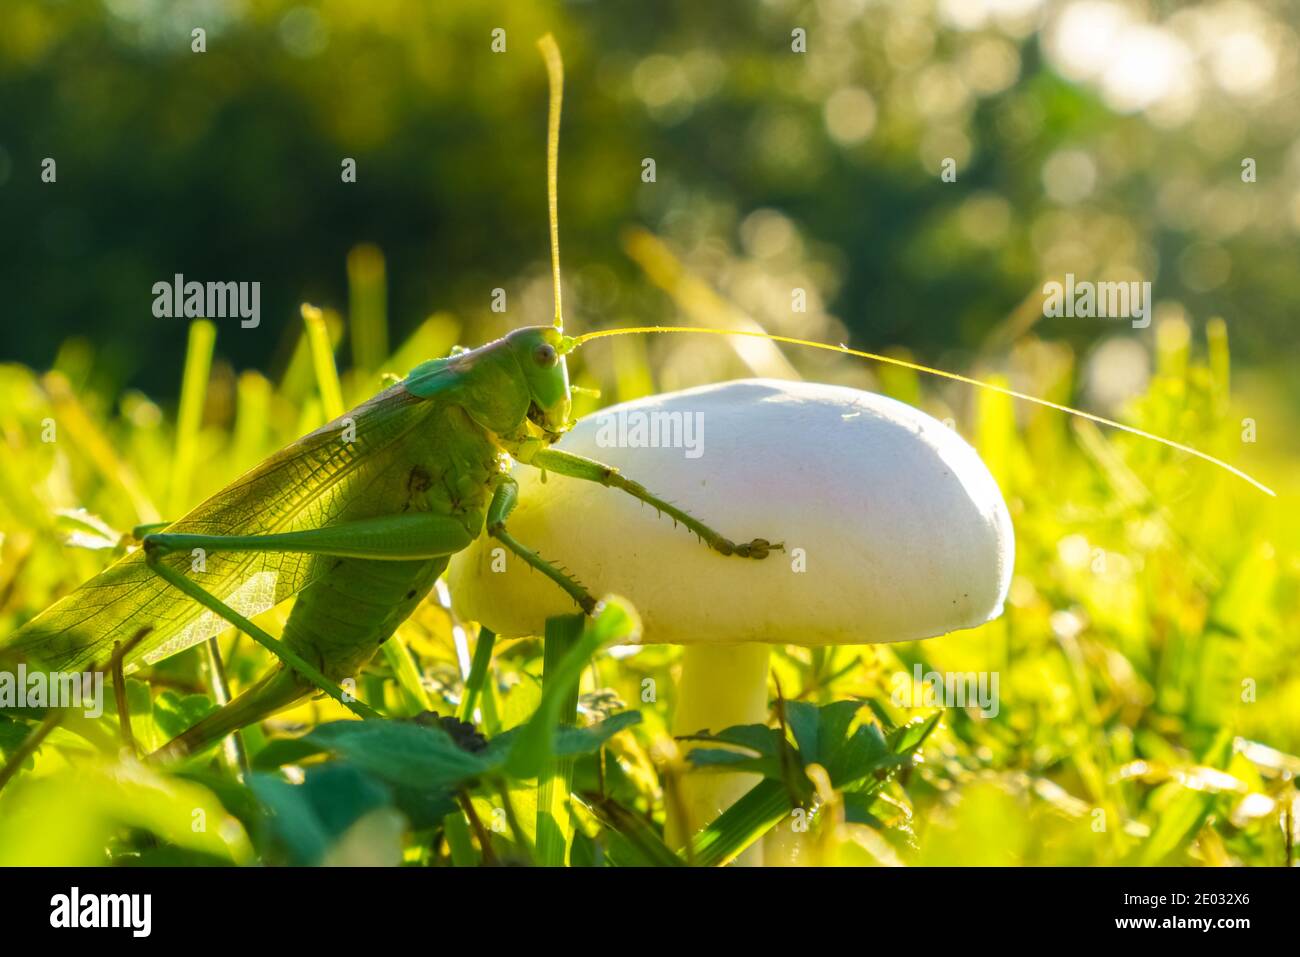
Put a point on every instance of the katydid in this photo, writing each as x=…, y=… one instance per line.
x=360, y=530
x=358, y=518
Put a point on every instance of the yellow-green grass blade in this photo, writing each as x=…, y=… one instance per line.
x=322, y=358
x=367, y=308
x=194, y=391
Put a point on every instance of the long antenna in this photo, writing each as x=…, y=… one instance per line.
x=916, y=367
x=555, y=81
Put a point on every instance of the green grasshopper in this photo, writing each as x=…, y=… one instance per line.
x=359, y=530
x=359, y=518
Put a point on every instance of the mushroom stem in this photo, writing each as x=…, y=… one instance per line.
x=721, y=686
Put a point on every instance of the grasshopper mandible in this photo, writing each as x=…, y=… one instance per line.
x=360, y=530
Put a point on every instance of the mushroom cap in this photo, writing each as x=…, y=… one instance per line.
x=893, y=528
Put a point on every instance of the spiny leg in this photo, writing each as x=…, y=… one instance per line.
x=589, y=470
x=290, y=658
x=236, y=753
x=414, y=536
x=503, y=503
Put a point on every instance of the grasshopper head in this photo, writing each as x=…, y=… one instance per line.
x=540, y=352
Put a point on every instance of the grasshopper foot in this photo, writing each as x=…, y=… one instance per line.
x=759, y=548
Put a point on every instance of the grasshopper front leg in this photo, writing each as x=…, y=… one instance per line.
x=503, y=503
x=589, y=470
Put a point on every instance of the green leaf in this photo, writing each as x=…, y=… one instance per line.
x=281, y=751
x=406, y=754
x=341, y=794
x=912, y=735
x=424, y=807
x=834, y=721
x=864, y=753
x=569, y=742
x=756, y=737
x=68, y=816
x=735, y=761
x=804, y=721
x=12, y=734
x=883, y=716
x=307, y=819
x=575, y=741
x=857, y=810
x=175, y=714
x=292, y=819
x=824, y=735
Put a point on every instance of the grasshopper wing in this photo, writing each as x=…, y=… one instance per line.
x=305, y=485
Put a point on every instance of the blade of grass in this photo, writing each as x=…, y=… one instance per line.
x=481, y=832
x=322, y=360
x=194, y=394
x=526, y=848
x=367, y=308
x=478, y=671
x=570, y=645
x=252, y=415
x=459, y=842
x=741, y=824
x=399, y=658
x=535, y=742
x=434, y=337
x=296, y=383
x=554, y=815
x=633, y=842
x=87, y=438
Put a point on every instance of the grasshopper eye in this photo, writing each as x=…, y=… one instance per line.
x=545, y=355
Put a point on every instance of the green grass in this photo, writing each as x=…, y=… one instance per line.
x=1149, y=655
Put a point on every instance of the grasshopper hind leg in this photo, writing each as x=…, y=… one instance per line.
x=273, y=692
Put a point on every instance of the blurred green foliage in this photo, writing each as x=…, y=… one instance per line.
x=1109, y=154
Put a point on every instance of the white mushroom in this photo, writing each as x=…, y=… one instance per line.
x=893, y=530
